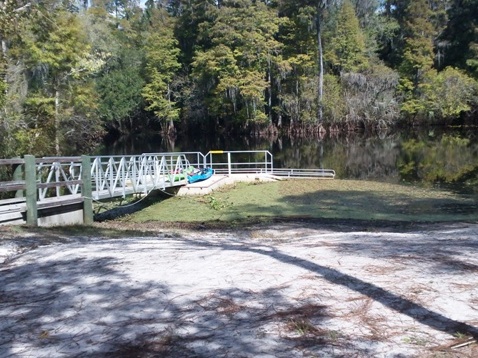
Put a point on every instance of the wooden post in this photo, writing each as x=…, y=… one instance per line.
x=31, y=190
x=86, y=190
x=18, y=176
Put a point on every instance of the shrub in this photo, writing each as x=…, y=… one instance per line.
x=442, y=95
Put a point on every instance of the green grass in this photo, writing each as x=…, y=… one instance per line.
x=337, y=199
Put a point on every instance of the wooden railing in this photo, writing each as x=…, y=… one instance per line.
x=37, y=182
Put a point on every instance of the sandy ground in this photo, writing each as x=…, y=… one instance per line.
x=286, y=290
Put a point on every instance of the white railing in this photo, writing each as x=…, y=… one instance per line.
x=236, y=162
x=58, y=177
x=249, y=161
x=122, y=175
x=196, y=159
x=230, y=162
x=305, y=173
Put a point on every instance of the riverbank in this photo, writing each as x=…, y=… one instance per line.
x=312, y=199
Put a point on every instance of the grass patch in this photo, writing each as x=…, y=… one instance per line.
x=331, y=199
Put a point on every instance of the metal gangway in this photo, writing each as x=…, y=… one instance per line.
x=114, y=176
x=110, y=176
x=42, y=186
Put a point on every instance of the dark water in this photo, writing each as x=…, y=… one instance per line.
x=432, y=155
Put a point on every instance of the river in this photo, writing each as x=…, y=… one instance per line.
x=427, y=155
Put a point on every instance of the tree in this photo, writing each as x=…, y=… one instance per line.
x=13, y=15
x=459, y=41
x=120, y=39
x=162, y=65
x=3, y=84
x=376, y=28
x=320, y=55
x=393, y=14
x=418, y=54
x=194, y=19
x=57, y=52
x=120, y=90
x=238, y=67
x=444, y=95
x=311, y=17
x=346, y=47
x=370, y=97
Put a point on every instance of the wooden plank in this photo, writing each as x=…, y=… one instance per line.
x=58, y=183
x=7, y=186
x=4, y=218
x=51, y=160
x=12, y=208
x=12, y=201
x=86, y=190
x=11, y=161
x=31, y=190
x=18, y=176
x=59, y=201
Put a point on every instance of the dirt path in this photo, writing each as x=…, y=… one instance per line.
x=286, y=290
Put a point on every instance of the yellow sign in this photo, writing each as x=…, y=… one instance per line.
x=216, y=151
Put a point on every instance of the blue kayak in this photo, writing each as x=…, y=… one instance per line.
x=200, y=175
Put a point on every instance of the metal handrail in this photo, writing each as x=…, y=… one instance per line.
x=228, y=164
x=304, y=173
x=55, y=173
x=265, y=165
x=194, y=158
x=122, y=175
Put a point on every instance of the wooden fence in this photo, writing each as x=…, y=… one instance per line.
x=46, y=183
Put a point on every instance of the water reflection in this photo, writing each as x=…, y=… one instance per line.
x=428, y=155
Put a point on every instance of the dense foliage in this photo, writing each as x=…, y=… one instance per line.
x=71, y=71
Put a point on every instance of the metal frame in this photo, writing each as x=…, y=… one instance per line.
x=111, y=175
x=122, y=175
x=259, y=161
x=305, y=173
x=196, y=159
x=55, y=173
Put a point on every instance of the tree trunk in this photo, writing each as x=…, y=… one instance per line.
x=170, y=121
x=4, y=54
x=320, y=62
x=57, y=122
x=4, y=48
x=270, y=92
x=279, y=112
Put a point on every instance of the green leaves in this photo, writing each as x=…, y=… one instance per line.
x=162, y=65
x=240, y=63
x=346, y=48
x=443, y=95
x=243, y=53
x=60, y=46
x=120, y=92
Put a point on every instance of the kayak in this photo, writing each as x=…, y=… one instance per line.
x=200, y=175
